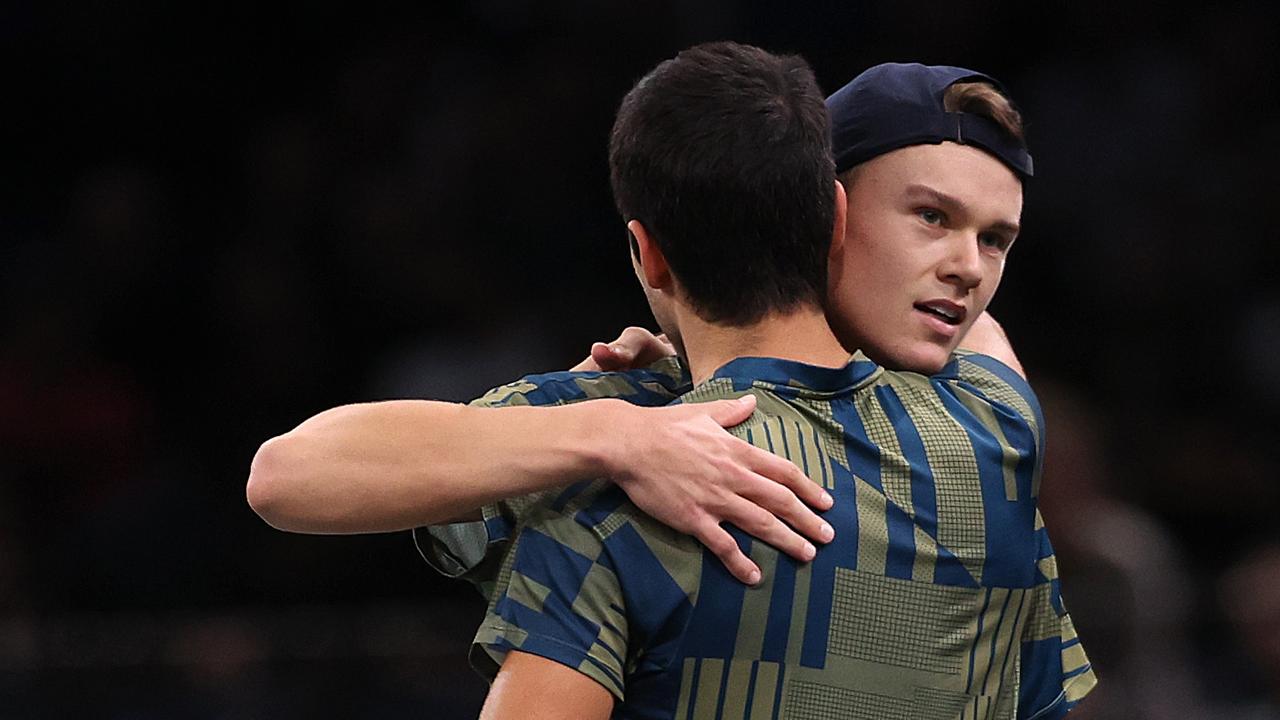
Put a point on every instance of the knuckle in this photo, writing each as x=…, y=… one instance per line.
x=798, y=509
x=722, y=544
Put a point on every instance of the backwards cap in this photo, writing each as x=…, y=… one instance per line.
x=894, y=105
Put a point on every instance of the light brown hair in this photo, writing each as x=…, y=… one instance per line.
x=981, y=98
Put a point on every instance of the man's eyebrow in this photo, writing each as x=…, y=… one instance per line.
x=948, y=201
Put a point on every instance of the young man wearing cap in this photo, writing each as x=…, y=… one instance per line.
x=930, y=602
x=933, y=315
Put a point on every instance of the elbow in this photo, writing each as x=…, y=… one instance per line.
x=272, y=483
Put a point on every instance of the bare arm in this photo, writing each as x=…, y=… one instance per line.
x=388, y=466
x=529, y=687
x=987, y=337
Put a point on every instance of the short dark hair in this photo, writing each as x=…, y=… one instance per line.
x=723, y=153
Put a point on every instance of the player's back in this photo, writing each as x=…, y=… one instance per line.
x=933, y=601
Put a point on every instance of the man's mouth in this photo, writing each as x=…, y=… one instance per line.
x=945, y=310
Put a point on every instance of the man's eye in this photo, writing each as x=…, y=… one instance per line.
x=994, y=241
x=931, y=216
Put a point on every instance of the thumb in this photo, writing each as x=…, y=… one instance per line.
x=605, y=357
x=731, y=412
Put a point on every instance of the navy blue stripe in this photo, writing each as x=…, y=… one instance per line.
x=777, y=694
x=751, y=689
x=724, y=685
x=1015, y=381
x=1011, y=547
x=497, y=528
x=864, y=463
x=783, y=373
x=995, y=636
x=778, y=624
x=612, y=653
x=658, y=608
x=1078, y=671
x=924, y=500
x=968, y=686
x=570, y=493
x=693, y=688
x=822, y=455
x=713, y=628
x=611, y=626
x=1019, y=436
x=948, y=570
x=646, y=387
x=1013, y=639
x=601, y=507
x=1040, y=672
x=840, y=552
x=804, y=450
x=902, y=542
x=553, y=391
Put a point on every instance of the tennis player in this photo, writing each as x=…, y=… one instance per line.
x=890, y=446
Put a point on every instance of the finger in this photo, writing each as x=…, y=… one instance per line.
x=649, y=348
x=605, y=357
x=728, y=413
x=631, y=341
x=785, y=473
x=723, y=546
x=641, y=347
x=587, y=365
x=782, y=505
x=762, y=524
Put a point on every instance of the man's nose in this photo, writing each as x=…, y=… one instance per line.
x=963, y=264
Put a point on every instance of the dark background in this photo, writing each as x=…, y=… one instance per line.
x=217, y=222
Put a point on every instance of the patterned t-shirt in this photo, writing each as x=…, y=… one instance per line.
x=939, y=597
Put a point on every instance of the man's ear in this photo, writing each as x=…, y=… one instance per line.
x=841, y=216
x=657, y=274
x=835, y=257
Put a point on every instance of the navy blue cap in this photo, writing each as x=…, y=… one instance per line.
x=894, y=105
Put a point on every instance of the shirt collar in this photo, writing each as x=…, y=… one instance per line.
x=745, y=372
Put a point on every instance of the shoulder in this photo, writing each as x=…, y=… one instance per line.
x=656, y=384
x=998, y=384
x=974, y=390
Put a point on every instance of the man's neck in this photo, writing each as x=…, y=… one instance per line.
x=801, y=335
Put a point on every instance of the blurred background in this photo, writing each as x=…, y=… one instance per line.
x=216, y=222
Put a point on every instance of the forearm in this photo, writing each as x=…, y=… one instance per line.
x=387, y=466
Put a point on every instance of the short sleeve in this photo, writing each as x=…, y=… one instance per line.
x=999, y=384
x=1055, y=671
x=472, y=551
x=557, y=596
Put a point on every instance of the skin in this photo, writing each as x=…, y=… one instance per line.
x=381, y=467
x=530, y=687
x=927, y=224
x=944, y=217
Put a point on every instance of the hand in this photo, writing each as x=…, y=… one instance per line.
x=679, y=465
x=636, y=347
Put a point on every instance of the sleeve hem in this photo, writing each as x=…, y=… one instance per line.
x=492, y=640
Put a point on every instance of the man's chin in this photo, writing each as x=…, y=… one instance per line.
x=923, y=358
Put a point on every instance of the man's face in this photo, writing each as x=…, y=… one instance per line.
x=929, y=227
